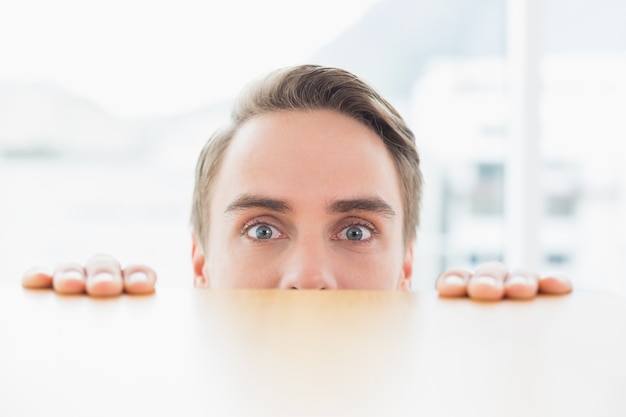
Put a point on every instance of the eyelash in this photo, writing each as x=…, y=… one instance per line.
x=359, y=223
x=258, y=222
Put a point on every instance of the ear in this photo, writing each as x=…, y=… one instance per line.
x=407, y=269
x=197, y=258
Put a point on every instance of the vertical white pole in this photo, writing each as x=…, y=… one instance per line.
x=521, y=201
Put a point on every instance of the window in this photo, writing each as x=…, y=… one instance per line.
x=487, y=194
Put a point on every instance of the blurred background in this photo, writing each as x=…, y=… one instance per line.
x=519, y=107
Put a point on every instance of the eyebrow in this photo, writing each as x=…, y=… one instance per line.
x=248, y=201
x=367, y=204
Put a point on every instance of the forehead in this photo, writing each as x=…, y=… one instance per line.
x=307, y=156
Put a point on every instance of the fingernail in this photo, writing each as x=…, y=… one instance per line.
x=454, y=281
x=102, y=277
x=71, y=275
x=559, y=277
x=138, y=277
x=486, y=280
x=517, y=280
x=36, y=271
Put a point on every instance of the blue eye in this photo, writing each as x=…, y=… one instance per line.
x=263, y=232
x=355, y=233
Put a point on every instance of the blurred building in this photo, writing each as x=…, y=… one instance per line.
x=460, y=113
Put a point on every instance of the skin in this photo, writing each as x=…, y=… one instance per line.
x=303, y=200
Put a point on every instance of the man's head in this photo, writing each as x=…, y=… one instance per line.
x=294, y=135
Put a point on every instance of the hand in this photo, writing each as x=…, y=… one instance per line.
x=493, y=281
x=102, y=276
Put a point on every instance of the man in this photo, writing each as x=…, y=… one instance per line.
x=315, y=184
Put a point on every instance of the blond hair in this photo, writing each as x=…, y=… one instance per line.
x=312, y=87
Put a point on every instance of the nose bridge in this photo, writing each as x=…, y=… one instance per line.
x=308, y=266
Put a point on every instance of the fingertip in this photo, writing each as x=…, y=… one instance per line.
x=452, y=285
x=555, y=283
x=492, y=269
x=104, y=276
x=104, y=284
x=140, y=289
x=453, y=282
x=521, y=286
x=485, y=288
x=139, y=279
x=37, y=278
x=487, y=282
x=69, y=280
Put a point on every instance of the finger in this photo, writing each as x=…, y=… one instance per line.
x=521, y=284
x=139, y=279
x=69, y=278
x=487, y=282
x=453, y=283
x=104, y=276
x=37, y=278
x=555, y=283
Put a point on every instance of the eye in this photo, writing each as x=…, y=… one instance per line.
x=355, y=232
x=262, y=232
